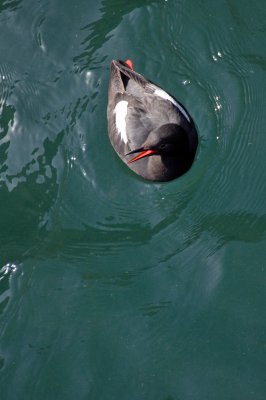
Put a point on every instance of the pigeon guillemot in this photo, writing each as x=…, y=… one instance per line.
x=144, y=119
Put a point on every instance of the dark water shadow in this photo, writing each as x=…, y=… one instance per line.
x=243, y=226
x=85, y=245
x=224, y=228
x=112, y=15
x=9, y=5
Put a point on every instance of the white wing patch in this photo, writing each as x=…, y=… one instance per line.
x=161, y=93
x=120, y=119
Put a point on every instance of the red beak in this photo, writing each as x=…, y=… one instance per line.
x=143, y=154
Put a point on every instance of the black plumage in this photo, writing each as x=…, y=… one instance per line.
x=145, y=120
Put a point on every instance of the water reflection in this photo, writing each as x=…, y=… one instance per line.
x=6, y=273
x=28, y=197
x=10, y=5
x=111, y=16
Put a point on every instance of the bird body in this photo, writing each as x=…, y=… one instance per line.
x=144, y=119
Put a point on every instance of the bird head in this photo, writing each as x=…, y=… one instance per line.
x=169, y=140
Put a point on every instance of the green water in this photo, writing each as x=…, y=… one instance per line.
x=112, y=287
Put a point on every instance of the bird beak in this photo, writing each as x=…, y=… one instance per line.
x=142, y=153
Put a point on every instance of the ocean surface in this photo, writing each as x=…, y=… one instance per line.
x=112, y=287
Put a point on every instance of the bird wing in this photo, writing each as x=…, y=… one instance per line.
x=141, y=106
x=138, y=86
x=146, y=114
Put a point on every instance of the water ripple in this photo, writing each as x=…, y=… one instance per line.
x=97, y=193
x=6, y=273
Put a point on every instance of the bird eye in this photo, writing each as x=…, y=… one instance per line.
x=163, y=145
